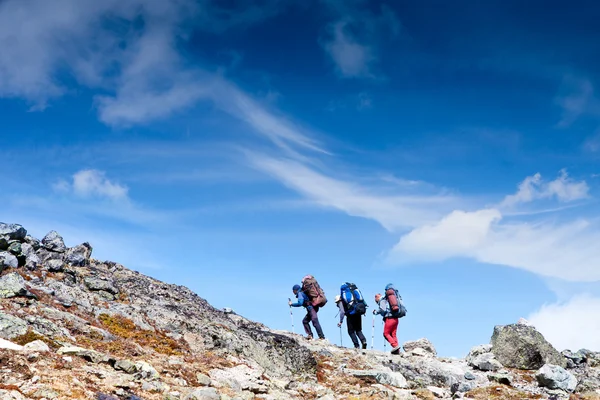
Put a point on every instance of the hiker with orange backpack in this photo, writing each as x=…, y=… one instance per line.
x=391, y=309
x=311, y=296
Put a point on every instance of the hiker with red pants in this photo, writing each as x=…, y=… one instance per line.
x=311, y=312
x=391, y=308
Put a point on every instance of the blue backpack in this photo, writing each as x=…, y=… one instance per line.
x=353, y=299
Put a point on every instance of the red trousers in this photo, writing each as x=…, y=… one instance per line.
x=389, y=331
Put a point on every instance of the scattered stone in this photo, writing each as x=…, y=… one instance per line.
x=154, y=387
x=125, y=365
x=12, y=231
x=395, y=379
x=100, y=284
x=89, y=355
x=503, y=379
x=573, y=359
x=422, y=343
x=203, y=394
x=11, y=326
x=55, y=265
x=438, y=392
x=143, y=370
x=33, y=242
x=202, y=379
x=469, y=376
x=79, y=255
x=15, y=248
x=11, y=395
x=523, y=347
x=36, y=346
x=13, y=285
x=8, y=260
x=485, y=362
x=54, y=242
x=555, y=377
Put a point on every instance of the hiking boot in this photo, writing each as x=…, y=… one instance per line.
x=396, y=350
x=364, y=346
x=309, y=337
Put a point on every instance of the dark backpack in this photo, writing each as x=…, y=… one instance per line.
x=353, y=299
x=395, y=302
x=313, y=291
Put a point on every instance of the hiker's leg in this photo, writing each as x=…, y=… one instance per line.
x=387, y=332
x=305, y=322
x=315, y=321
x=350, y=321
x=391, y=324
x=358, y=328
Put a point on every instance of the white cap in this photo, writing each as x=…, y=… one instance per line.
x=338, y=298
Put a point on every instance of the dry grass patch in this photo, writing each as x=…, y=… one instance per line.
x=499, y=392
x=585, y=396
x=423, y=394
x=156, y=340
x=31, y=336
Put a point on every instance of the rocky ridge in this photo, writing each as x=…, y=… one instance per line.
x=72, y=327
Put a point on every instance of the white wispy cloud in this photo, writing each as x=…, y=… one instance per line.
x=572, y=324
x=560, y=249
x=92, y=183
x=392, y=211
x=563, y=188
x=351, y=41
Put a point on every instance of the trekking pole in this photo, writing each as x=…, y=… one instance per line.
x=373, y=333
x=341, y=341
x=292, y=316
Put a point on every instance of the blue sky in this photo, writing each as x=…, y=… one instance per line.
x=233, y=147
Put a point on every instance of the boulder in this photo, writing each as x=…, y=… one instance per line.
x=8, y=260
x=13, y=285
x=12, y=231
x=55, y=265
x=555, y=377
x=485, y=362
x=5, y=344
x=390, y=378
x=35, y=243
x=96, y=284
x=79, y=255
x=523, y=347
x=11, y=327
x=89, y=355
x=54, y=242
x=4, y=243
x=36, y=346
x=422, y=343
x=14, y=248
x=573, y=359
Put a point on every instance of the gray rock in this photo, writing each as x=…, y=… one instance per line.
x=32, y=261
x=203, y=394
x=143, y=370
x=4, y=243
x=154, y=387
x=469, y=376
x=33, y=242
x=12, y=231
x=14, y=248
x=125, y=365
x=54, y=242
x=503, y=379
x=93, y=283
x=422, y=343
x=89, y=355
x=555, y=377
x=79, y=255
x=27, y=249
x=55, y=265
x=11, y=326
x=573, y=359
x=523, y=347
x=8, y=260
x=202, y=379
x=36, y=346
x=13, y=285
x=11, y=395
x=485, y=362
x=395, y=379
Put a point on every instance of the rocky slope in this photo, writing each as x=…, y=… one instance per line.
x=72, y=327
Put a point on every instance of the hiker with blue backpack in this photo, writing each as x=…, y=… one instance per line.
x=352, y=305
x=311, y=296
x=391, y=309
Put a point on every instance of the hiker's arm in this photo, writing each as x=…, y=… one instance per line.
x=300, y=302
x=342, y=312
